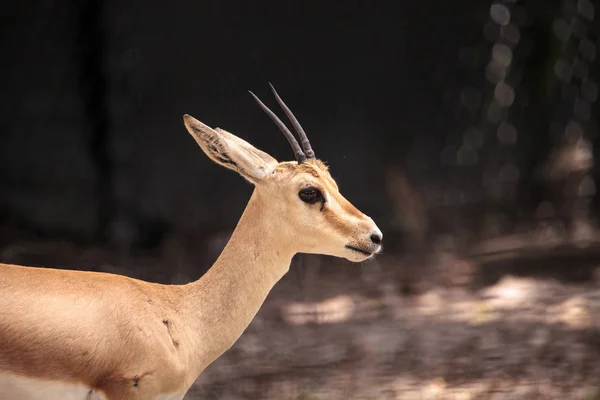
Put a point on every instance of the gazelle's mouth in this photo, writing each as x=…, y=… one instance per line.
x=362, y=251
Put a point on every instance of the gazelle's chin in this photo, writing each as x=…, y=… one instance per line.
x=356, y=254
x=351, y=252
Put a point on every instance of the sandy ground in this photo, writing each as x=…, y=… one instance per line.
x=519, y=338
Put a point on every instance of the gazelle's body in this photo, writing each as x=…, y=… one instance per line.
x=84, y=335
x=129, y=339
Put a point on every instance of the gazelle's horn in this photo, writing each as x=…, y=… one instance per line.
x=303, y=138
x=300, y=156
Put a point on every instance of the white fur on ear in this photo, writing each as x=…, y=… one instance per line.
x=230, y=151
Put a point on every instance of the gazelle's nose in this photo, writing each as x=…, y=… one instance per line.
x=376, y=238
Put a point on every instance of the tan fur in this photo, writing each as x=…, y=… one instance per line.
x=122, y=338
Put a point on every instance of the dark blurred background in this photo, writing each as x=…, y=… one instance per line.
x=467, y=130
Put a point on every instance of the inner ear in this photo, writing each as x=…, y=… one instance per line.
x=212, y=144
x=265, y=157
x=218, y=151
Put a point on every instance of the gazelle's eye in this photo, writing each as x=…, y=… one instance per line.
x=310, y=195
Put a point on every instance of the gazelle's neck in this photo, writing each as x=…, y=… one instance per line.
x=222, y=303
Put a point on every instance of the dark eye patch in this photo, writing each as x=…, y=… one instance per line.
x=311, y=195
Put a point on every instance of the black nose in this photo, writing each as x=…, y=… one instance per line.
x=376, y=238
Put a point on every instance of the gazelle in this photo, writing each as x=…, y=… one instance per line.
x=85, y=335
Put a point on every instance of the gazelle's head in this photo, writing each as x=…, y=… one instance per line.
x=301, y=198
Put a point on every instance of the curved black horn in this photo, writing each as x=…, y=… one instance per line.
x=300, y=156
x=303, y=138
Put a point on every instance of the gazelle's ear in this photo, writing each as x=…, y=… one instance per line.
x=230, y=151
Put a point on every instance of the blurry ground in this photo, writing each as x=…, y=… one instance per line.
x=520, y=321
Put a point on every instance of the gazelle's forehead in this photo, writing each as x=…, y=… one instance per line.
x=313, y=170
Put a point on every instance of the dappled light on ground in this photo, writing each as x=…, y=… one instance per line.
x=510, y=292
x=334, y=310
